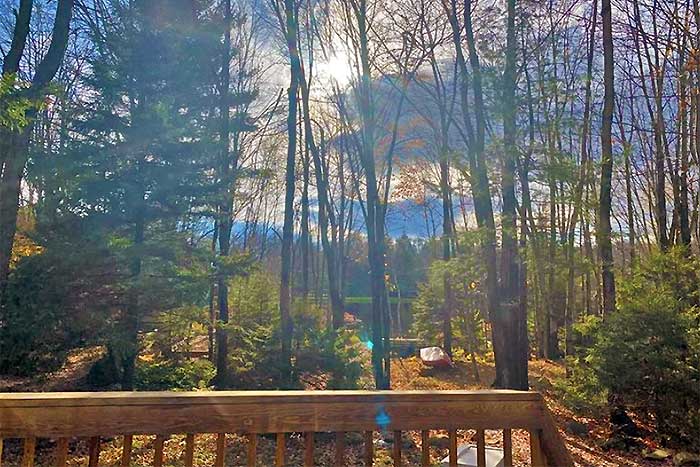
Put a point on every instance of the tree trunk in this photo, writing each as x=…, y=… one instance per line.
x=604, y=227
x=130, y=345
x=304, y=237
x=290, y=11
x=570, y=314
x=510, y=325
x=374, y=210
x=447, y=234
x=326, y=216
x=224, y=223
x=14, y=146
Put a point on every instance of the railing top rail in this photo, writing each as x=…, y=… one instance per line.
x=63, y=399
x=92, y=414
x=62, y=414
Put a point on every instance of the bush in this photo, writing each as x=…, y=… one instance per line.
x=581, y=390
x=642, y=353
x=335, y=353
x=465, y=276
x=648, y=353
x=58, y=299
x=173, y=376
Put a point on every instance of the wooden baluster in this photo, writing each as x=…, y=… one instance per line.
x=453, y=448
x=507, y=448
x=309, y=449
x=536, y=453
x=62, y=452
x=189, y=449
x=280, y=450
x=94, y=451
x=158, y=451
x=220, y=450
x=480, y=448
x=369, y=449
x=397, y=448
x=425, y=448
x=252, y=449
x=339, y=448
x=28, y=455
x=126, y=450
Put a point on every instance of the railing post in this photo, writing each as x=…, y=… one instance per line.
x=480, y=448
x=453, y=448
x=507, y=448
x=62, y=452
x=189, y=449
x=28, y=455
x=309, y=449
x=280, y=448
x=220, y=450
x=369, y=449
x=252, y=450
x=397, y=448
x=126, y=450
x=94, y=459
x=158, y=451
x=425, y=448
x=536, y=453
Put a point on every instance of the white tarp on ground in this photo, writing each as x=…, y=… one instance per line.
x=466, y=457
x=435, y=356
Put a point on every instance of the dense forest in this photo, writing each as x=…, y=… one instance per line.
x=286, y=188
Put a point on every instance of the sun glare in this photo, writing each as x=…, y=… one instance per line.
x=336, y=69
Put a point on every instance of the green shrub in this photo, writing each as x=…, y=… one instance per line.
x=176, y=328
x=56, y=300
x=642, y=353
x=173, y=376
x=648, y=351
x=581, y=390
x=465, y=277
x=339, y=354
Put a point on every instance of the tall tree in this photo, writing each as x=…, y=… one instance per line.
x=288, y=17
x=510, y=324
x=14, y=144
x=604, y=225
x=224, y=221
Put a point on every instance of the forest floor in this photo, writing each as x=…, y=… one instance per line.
x=407, y=373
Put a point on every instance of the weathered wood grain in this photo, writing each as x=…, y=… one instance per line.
x=58, y=415
x=62, y=452
x=28, y=454
x=453, y=448
x=252, y=456
x=507, y=448
x=480, y=448
x=339, y=449
x=126, y=450
x=536, y=453
x=220, y=450
x=369, y=448
x=397, y=448
x=158, y=451
x=309, y=449
x=94, y=451
x=425, y=448
x=189, y=449
x=64, y=415
x=552, y=443
x=280, y=449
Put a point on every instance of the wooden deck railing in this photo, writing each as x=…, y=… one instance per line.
x=62, y=416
